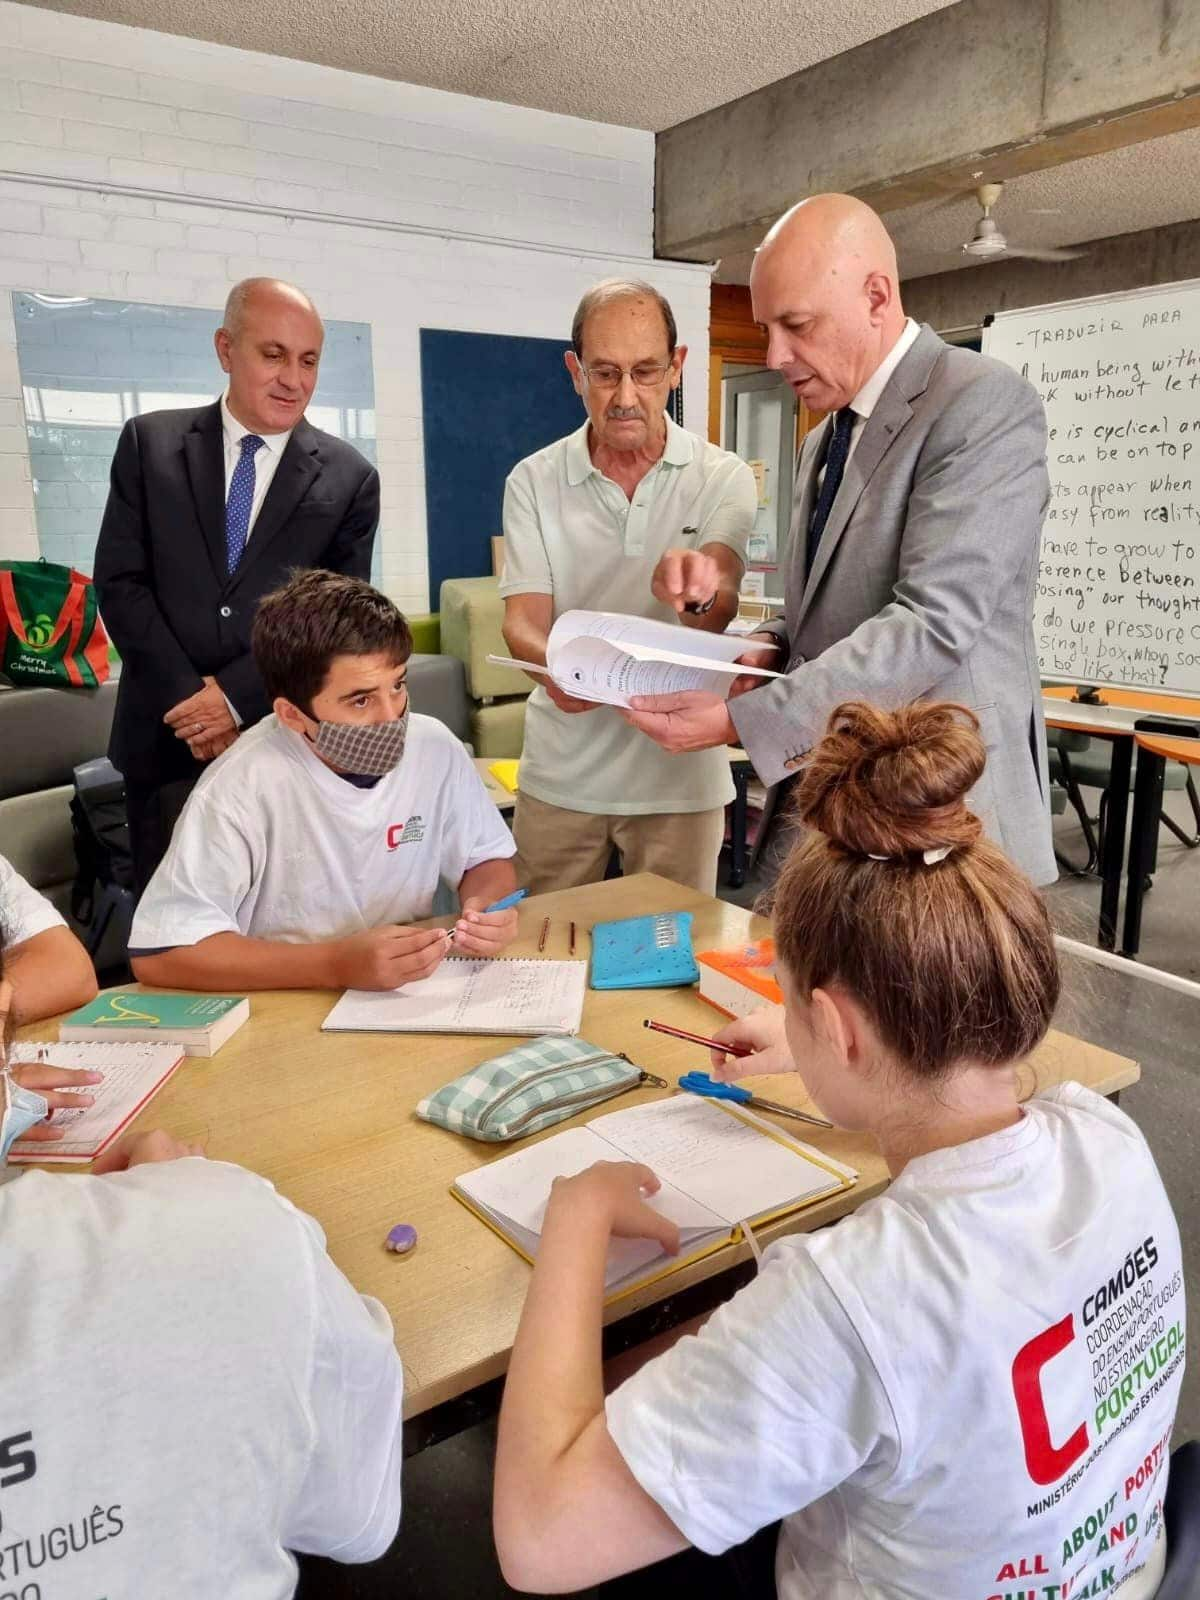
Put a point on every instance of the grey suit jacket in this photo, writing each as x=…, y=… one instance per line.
x=923, y=583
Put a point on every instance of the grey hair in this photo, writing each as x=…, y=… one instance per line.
x=603, y=294
x=241, y=293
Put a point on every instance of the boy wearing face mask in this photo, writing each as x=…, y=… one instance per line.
x=307, y=849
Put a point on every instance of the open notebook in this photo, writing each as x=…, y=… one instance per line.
x=720, y=1168
x=133, y=1075
x=504, y=994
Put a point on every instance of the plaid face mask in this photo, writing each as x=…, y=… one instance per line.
x=368, y=750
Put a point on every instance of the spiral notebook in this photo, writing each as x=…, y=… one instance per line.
x=504, y=995
x=724, y=1172
x=133, y=1075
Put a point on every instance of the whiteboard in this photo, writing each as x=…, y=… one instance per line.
x=1118, y=594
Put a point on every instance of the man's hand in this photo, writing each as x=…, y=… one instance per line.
x=681, y=722
x=202, y=715
x=614, y=1194
x=763, y=650
x=206, y=749
x=480, y=933
x=685, y=577
x=59, y=1086
x=136, y=1149
x=385, y=958
x=567, y=702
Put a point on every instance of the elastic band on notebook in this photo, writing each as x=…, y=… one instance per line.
x=755, y=1247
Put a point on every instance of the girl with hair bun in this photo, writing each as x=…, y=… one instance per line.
x=967, y=1387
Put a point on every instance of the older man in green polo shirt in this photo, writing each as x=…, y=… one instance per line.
x=631, y=514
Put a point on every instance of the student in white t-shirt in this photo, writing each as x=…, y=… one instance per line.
x=190, y=1389
x=966, y=1388
x=49, y=969
x=305, y=850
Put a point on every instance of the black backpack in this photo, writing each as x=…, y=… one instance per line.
x=102, y=895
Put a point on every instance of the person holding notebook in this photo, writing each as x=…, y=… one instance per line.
x=971, y=1382
x=307, y=849
x=49, y=969
x=233, y=1400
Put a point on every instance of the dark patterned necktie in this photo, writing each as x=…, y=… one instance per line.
x=241, y=498
x=835, y=466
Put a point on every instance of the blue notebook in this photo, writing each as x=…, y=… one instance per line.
x=644, y=952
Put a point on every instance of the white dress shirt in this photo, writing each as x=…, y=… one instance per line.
x=867, y=398
x=265, y=461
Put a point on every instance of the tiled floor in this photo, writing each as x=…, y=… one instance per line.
x=444, y=1551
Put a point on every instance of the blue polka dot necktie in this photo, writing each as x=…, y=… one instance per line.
x=241, y=498
x=835, y=466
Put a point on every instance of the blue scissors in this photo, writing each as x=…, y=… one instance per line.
x=701, y=1083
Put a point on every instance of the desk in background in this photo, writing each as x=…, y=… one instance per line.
x=1115, y=719
x=1154, y=750
x=328, y=1118
x=497, y=793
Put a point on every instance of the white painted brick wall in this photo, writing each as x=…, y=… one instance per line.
x=551, y=203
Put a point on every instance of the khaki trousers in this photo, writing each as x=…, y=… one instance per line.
x=560, y=849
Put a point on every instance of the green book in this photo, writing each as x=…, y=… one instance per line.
x=200, y=1023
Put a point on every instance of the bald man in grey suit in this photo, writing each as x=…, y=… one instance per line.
x=914, y=545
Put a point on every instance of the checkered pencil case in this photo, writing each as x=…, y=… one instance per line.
x=531, y=1088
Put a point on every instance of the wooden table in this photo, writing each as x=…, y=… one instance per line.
x=329, y=1119
x=1116, y=717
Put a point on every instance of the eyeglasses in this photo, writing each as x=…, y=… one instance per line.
x=646, y=375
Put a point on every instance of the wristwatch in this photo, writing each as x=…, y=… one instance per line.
x=697, y=608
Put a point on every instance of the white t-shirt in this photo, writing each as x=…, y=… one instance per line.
x=189, y=1389
x=965, y=1389
x=572, y=533
x=23, y=911
x=274, y=845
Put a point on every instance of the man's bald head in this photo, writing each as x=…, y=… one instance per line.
x=270, y=345
x=836, y=229
x=262, y=294
x=825, y=286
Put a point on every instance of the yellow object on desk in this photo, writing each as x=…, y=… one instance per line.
x=505, y=772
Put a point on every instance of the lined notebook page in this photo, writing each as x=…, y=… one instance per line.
x=464, y=995
x=515, y=1191
x=733, y=1168
x=133, y=1074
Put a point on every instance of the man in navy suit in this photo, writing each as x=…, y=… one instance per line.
x=208, y=510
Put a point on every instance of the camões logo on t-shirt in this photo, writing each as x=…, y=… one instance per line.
x=1131, y=1327
x=410, y=832
x=1133, y=1346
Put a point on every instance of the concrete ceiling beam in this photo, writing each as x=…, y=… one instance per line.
x=998, y=87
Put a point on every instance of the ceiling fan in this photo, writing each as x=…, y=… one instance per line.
x=987, y=243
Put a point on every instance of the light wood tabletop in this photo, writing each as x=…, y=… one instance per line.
x=1171, y=747
x=1116, y=712
x=329, y=1119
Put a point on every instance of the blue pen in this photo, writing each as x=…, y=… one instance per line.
x=497, y=905
x=701, y=1083
x=509, y=900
